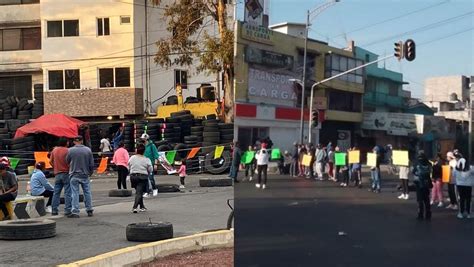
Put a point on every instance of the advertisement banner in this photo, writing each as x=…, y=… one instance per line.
x=253, y=12
x=271, y=88
x=394, y=123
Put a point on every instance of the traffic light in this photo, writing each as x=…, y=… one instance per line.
x=314, y=118
x=399, y=50
x=409, y=50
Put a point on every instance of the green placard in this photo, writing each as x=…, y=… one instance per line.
x=14, y=162
x=276, y=153
x=248, y=157
x=170, y=155
x=340, y=159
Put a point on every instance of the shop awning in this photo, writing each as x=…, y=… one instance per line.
x=54, y=124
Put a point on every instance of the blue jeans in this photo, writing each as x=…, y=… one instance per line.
x=233, y=171
x=375, y=174
x=151, y=185
x=83, y=180
x=62, y=180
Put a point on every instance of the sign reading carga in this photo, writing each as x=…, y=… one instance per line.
x=271, y=88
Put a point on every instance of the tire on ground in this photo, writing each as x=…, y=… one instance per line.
x=148, y=232
x=214, y=181
x=167, y=188
x=27, y=229
x=120, y=193
x=217, y=166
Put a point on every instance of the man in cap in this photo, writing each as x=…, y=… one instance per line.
x=8, y=189
x=81, y=167
x=151, y=152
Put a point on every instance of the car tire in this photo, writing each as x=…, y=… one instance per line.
x=215, y=182
x=149, y=232
x=217, y=166
x=120, y=193
x=27, y=229
x=167, y=188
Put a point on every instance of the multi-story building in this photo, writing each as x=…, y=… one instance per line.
x=94, y=58
x=268, y=102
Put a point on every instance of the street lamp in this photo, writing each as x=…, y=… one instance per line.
x=310, y=15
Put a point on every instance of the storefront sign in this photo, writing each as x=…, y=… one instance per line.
x=257, y=34
x=254, y=12
x=268, y=58
x=271, y=88
x=394, y=123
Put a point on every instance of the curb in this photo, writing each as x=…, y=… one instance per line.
x=149, y=251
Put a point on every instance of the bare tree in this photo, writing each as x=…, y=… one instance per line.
x=186, y=21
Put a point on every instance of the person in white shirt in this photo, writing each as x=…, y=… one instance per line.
x=464, y=182
x=262, y=158
x=105, y=145
x=452, y=182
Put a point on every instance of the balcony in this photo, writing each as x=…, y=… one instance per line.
x=19, y=14
x=378, y=99
x=95, y=102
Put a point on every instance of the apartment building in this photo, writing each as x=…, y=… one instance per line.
x=268, y=103
x=94, y=57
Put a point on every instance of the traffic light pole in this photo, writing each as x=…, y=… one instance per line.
x=334, y=77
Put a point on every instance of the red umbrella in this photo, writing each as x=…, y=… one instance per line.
x=54, y=124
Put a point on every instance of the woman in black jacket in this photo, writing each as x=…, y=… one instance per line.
x=423, y=184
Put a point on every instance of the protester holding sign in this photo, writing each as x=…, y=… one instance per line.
x=437, y=192
x=249, y=162
x=464, y=183
x=262, y=156
x=403, y=176
x=375, y=171
x=452, y=182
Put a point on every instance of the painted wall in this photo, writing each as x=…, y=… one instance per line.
x=20, y=13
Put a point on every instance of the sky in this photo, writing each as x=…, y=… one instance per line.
x=442, y=29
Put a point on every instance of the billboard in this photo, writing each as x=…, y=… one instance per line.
x=253, y=12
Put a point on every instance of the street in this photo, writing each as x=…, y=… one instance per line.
x=301, y=222
x=194, y=210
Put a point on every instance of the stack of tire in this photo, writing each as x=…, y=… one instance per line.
x=14, y=108
x=211, y=134
x=3, y=135
x=227, y=133
x=129, y=136
x=38, y=108
x=95, y=138
x=171, y=129
x=21, y=148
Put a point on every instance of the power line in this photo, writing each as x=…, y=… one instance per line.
x=424, y=28
x=391, y=19
x=97, y=58
x=447, y=36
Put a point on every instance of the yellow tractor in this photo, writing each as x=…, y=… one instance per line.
x=205, y=103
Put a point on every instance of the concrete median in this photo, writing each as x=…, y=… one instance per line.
x=147, y=252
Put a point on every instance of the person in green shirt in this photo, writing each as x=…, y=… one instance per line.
x=151, y=152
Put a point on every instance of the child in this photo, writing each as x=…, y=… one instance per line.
x=182, y=173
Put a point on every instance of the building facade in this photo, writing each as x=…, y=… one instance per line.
x=94, y=58
x=268, y=101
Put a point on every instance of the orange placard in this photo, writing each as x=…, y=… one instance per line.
x=446, y=173
x=193, y=152
x=102, y=165
x=42, y=156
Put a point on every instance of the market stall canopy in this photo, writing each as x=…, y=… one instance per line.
x=54, y=124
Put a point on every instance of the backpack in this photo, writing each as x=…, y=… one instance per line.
x=423, y=173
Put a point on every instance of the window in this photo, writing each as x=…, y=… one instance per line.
x=18, y=2
x=72, y=79
x=336, y=64
x=344, y=101
x=71, y=28
x=181, y=77
x=64, y=79
x=106, y=77
x=118, y=77
x=20, y=39
x=55, y=28
x=19, y=86
x=103, y=26
x=124, y=19
x=122, y=77
x=55, y=78
x=12, y=39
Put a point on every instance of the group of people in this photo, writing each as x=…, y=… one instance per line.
x=428, y=180
x=72, y=168
x=258, y=164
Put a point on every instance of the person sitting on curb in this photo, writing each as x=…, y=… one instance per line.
x=40, y=185
x=8, y=189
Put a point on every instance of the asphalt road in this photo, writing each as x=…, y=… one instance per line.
x=195, y=210
x=300, y=222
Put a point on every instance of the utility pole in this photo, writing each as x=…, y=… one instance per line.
x=315, y=12
x=470, y=124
